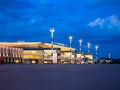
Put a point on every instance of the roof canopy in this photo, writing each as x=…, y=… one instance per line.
x=34, y=44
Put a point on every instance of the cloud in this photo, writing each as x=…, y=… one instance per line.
x=112, y=22
x=105, y=31
x=98, y=22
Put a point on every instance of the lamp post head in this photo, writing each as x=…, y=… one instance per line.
x=96, y=47
x=52, y=30
x=70, y=37
x=88, y=44
x=80, y=40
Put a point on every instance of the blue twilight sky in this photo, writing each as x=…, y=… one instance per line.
x=95, y=21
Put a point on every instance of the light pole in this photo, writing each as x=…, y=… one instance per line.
x=70, y=38
x=96, y=48
x=80, y=41
x=52, y=41
x=109, y=55
x=88, y=47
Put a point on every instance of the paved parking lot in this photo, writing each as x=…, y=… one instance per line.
x=60, y=77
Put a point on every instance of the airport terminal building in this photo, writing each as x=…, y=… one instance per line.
x=40, y=53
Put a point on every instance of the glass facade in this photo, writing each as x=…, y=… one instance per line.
x=66, y=57
x=48, y=54
x=39, y=55
x=33, y=55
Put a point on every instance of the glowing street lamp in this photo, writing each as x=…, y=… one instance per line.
x=96, y=48
x=80, y=41
x=52, y=40
x=88, y=47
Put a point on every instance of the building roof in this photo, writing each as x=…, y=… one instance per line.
x=34, y=44
x=63, y=48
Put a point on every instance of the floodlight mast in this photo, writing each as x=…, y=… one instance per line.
x=80, y=41
x=70, y=38
x=88, y=47
x=52, y=30
x=96, y=48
